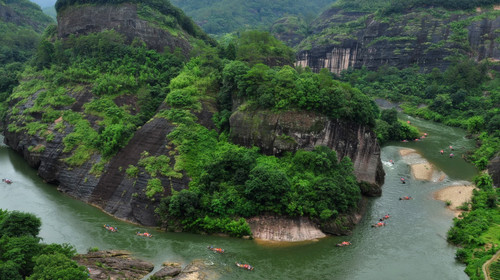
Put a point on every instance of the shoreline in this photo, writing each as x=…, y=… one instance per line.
x=455, y=195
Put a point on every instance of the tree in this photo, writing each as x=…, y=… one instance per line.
x=57, y=266
x=20, y=224
x=267, y=186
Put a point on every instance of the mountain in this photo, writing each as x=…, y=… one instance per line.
x=21, y=25
x=132, y=108
x=226, y=16
x=349, y=36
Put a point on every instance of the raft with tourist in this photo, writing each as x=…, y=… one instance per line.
x=110, y=228
x=344, y=243
x=379, y=224
x=244, y=265
x=216, y=250
x=146, y=234
x=8, y=181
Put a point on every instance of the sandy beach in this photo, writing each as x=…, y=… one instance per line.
x=421, y=169
x=457, y=195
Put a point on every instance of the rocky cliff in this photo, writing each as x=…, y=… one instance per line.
x=427, y=37
x=123, y=18
x=110, y=188
x=276, y=133
x=494, y=171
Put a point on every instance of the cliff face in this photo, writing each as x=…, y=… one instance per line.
x=276, y=133
x=343, y=40
x=111, y=190
x=124, y=19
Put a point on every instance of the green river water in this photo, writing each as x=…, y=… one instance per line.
x=412, y=245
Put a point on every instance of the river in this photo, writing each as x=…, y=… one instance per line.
x=412, y=245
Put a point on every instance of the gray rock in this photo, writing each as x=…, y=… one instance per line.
x=415, y=38
x=277, y=133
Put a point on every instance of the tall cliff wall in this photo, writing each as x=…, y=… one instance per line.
x=111, y=190
x=124, y=19
x=276, y=133
x=343, y=40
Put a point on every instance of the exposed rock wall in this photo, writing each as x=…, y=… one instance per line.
x=414, y=38
x=494, y=171
x=123, y=18
x=278, y=228
x=112, y=191
x=276, y=133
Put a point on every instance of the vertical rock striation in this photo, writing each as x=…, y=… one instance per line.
x=276, y=133
x=124, y=19
x=343, y=40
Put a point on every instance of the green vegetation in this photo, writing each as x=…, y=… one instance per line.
x=22, y=256
x=465, y=95
x=398, y=6
x=226, y=16
x=103, y=67
x=19, y=40
x=477, y=231
x=229, y=182
x=455, y=97
x=286, y=89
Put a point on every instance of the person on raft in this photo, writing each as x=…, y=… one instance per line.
x=451, y=148
x=344, y=243
x=8, y=181
x=379, y=224
x=147, y=234
x=385, y=217
x=402, y=180
x=245, y=266
x=110, y=228
x=216, y=250
x=452, y=155
x=405, y=198
x=442, y=151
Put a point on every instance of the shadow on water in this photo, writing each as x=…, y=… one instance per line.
x=411, y=246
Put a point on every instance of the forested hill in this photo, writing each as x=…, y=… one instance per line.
x=23, y=13
x=225, y=16
x=21, y=24
x=145, y=133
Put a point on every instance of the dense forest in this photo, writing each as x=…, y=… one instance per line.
x=24, y=256
x=225, y=16
x=20, y=36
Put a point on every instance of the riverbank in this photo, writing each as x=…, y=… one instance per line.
x=455, y=196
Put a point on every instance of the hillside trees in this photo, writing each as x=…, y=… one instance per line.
x=230, y=182
x=22, y=256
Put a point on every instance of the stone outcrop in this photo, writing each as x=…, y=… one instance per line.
x=124, y=19
x=414, y=38
x=276, y=133
x=114, y=265
x=278, y=228
x=112, y=190
x=494, y=171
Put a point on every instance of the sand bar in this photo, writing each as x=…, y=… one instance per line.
x=457, y=195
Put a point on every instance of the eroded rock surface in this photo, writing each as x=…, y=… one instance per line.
x=114, y=265
x=277, y=133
